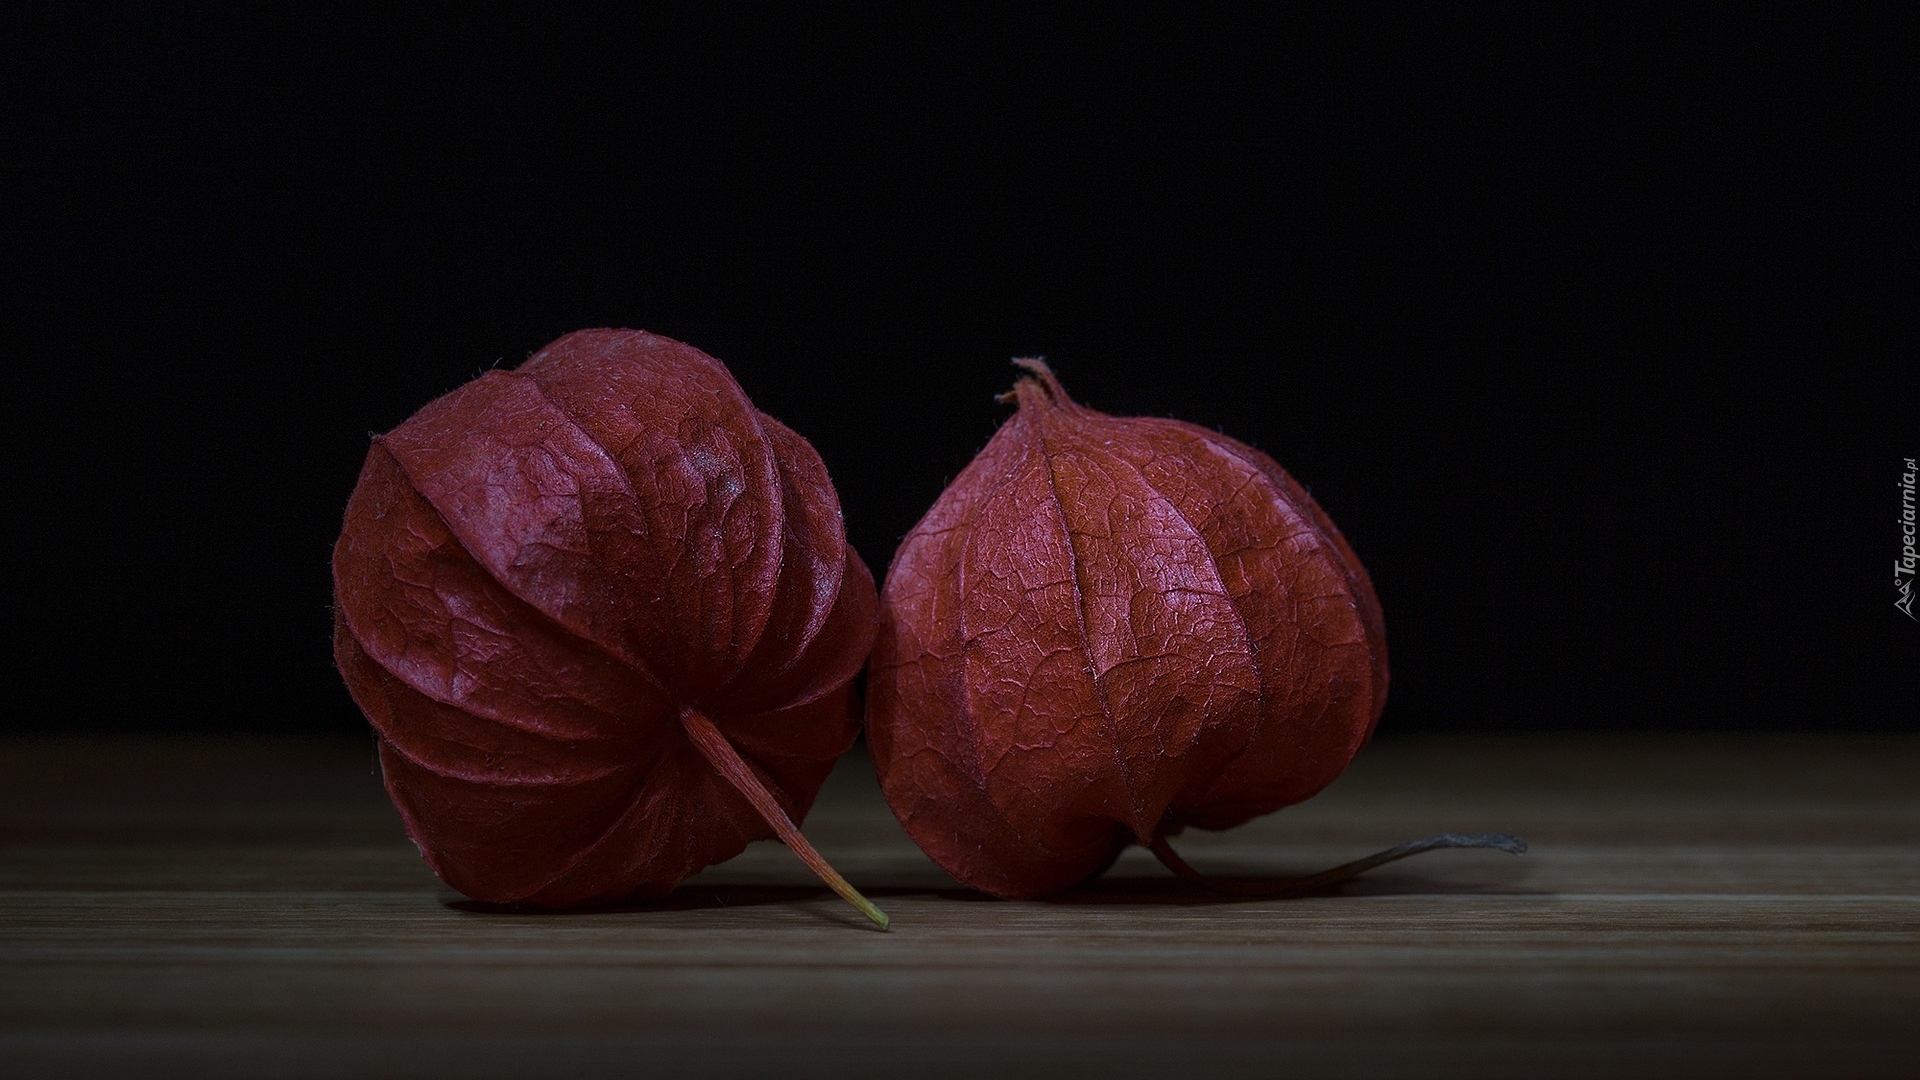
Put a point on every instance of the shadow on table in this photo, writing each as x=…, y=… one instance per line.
x=1127, y=890
x=1173, y=892
x=696, y=898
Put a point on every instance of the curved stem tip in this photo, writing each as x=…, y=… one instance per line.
x=1038, y=387
x=728, y=762
x=1294, y=886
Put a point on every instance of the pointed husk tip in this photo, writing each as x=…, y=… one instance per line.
x=1038, y=387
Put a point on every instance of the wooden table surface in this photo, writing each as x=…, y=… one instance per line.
x=1691, y=906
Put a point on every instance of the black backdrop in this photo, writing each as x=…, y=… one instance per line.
x=1585, y=323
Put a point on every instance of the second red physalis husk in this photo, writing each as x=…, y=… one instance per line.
x=1109, y=629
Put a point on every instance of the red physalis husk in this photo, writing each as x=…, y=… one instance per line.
x=603, y=616
x=1106, y=630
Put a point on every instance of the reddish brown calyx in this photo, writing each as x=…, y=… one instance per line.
x=1277, y=887
x=728, y=762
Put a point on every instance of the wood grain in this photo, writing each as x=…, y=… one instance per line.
x=1691, y=906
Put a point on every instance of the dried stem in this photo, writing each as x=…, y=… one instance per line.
x=728, y=762
x=1269, y=887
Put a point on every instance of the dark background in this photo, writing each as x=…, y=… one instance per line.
x=1587, y=324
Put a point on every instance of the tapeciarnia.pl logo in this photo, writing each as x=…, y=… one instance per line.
x=1903, y=566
